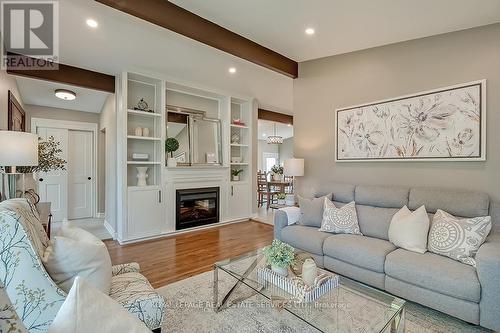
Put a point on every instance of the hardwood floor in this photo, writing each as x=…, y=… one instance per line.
x=174, y=258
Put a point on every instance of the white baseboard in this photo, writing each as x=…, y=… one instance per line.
x=100, y=215
x=110, y=229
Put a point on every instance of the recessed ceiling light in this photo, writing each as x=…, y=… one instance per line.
x=310, y=31
x=65, y=94
x=92, y=23
x=232, y=70
x=264, y=134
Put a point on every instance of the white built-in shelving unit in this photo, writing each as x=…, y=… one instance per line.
x=149, y=211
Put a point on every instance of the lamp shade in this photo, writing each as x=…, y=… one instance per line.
x=18, y=149
x=294, y=167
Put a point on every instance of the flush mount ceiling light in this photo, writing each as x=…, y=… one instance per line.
x=310, y=31
x=92, y=23
x=65, y=94
x=232, y=70
x=274, y=139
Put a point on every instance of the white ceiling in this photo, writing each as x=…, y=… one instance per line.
x=123, y=42
x=38, y=92
x=341, y=25
x=266, y=127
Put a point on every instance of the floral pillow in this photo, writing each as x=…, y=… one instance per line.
x=342, y=220
x=458, y=238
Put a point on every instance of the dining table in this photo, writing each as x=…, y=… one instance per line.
x=278, y=185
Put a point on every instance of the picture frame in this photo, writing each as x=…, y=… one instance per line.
x=443, y=124
x=16, y=115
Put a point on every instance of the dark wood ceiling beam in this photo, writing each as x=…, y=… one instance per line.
x=275, y=116
x=184, y=22
x=63, y=74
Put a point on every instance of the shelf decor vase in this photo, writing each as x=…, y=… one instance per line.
x=138, y=131
x=171, y=162
x=142, y=175
x=279, y=270
x=145, y=132
x=309, y=272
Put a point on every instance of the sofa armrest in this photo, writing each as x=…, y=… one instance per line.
x=488, y=271
x=280, y=221
x=131, y=267
x=284, y=217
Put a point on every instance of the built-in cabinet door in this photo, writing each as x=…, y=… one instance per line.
x=53, y=185
x=80, y=175
x=145, y=212
x=239, y=201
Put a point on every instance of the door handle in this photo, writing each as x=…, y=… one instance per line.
x=89, y=178
x=40, y=179
x=232, y=190
x=159, y=196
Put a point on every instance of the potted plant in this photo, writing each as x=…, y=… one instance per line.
x=281, y=198
x=48, y=158
x=235, y=173
x=280, y=256
x=277, y=172
x=171, y=145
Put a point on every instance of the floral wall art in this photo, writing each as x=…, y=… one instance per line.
x=446, y=124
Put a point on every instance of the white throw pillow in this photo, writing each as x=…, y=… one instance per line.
x=86, y=309
x=408, y=230
x=342, y=220
x=458, y=238
x=76, y=252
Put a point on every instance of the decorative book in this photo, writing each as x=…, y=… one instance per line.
x=295, y=286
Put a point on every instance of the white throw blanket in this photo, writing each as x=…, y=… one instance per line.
x=292, y=213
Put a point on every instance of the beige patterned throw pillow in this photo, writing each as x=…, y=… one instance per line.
x=342, y=220
x=458, y=238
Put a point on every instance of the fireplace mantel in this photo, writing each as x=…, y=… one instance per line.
x=182, y=178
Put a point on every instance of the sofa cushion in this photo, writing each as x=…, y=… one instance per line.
x=365, y=252
x=382, y=196
x=305, y=238
x=343, y=220
x=434, y=272
x=311, y=210
x=456, y=202
x=375, y=221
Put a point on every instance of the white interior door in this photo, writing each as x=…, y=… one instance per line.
x=53, y=185
x=80, y=174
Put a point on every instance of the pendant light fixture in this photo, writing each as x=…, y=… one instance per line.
x=274, y=139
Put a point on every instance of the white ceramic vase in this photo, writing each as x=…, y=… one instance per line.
x=142, y=175
x=145, y=131
x=279, y=270
x=236, y=178
x=138, y=131
x=309, y=272
x=171, y=162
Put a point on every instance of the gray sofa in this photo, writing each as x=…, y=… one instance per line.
x=435, y=281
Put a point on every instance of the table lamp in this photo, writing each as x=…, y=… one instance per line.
x=294, y=167
x=17, y=149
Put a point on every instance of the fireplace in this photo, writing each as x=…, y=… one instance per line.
x=196, y=207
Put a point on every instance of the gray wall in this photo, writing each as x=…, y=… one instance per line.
x=394, y=70
x=7, y=82
x=107, y=126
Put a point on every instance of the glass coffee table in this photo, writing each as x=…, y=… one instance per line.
x=351, y=307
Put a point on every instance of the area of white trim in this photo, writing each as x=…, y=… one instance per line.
x=174, y=233
x=101, y=215
x=78, y=126
x=110, y=229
